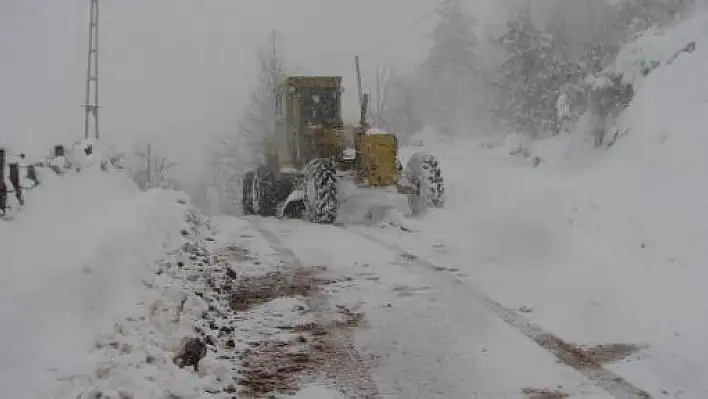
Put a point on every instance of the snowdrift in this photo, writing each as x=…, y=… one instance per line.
x=73, y=260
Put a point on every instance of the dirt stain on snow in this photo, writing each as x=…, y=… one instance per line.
x=544, y=394
x=279, y=364
x=610, y=353
x=592, y=356
x=404, y=290
x=251, y=291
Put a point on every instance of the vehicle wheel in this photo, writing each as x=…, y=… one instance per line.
x=423, y=171
x=246, y=195
x=263, y=192
x=321, y=203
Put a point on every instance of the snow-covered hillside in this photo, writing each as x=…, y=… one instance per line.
x=72, y=260
x=647, y=187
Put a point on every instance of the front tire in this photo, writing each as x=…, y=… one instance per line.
x=423, y=171
x=321, y=204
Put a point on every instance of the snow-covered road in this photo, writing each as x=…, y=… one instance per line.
x=433, y=335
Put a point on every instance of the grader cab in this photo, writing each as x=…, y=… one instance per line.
x=314, y=160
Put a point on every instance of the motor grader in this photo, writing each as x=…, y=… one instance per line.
x=315, y=163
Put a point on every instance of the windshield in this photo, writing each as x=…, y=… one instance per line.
x=319, y=106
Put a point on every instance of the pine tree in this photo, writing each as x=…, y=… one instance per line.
x=530, y=76
x=575, y=29
x=450, y=70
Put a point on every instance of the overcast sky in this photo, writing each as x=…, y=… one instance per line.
x=178, y=72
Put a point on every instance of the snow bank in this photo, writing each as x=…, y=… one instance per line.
x=72, y=260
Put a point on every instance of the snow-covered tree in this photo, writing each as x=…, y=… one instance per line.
x=529, y=77
x=583, y=43
x=451, y=72
x=241, y=150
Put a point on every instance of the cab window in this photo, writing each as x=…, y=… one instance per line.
x=319, y=106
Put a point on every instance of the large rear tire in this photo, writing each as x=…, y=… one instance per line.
x=423, y=171
x=321, y=204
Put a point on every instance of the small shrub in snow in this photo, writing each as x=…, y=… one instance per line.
x=192, y=352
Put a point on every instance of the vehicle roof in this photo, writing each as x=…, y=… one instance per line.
x=302, y=82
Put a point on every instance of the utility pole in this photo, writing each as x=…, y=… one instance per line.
x=91, y=102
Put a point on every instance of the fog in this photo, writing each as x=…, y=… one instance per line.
x=177, y=72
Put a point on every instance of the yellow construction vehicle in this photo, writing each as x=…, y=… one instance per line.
x=314, y=162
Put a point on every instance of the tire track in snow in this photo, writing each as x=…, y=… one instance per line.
x=607, y=380
x=353, y=376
